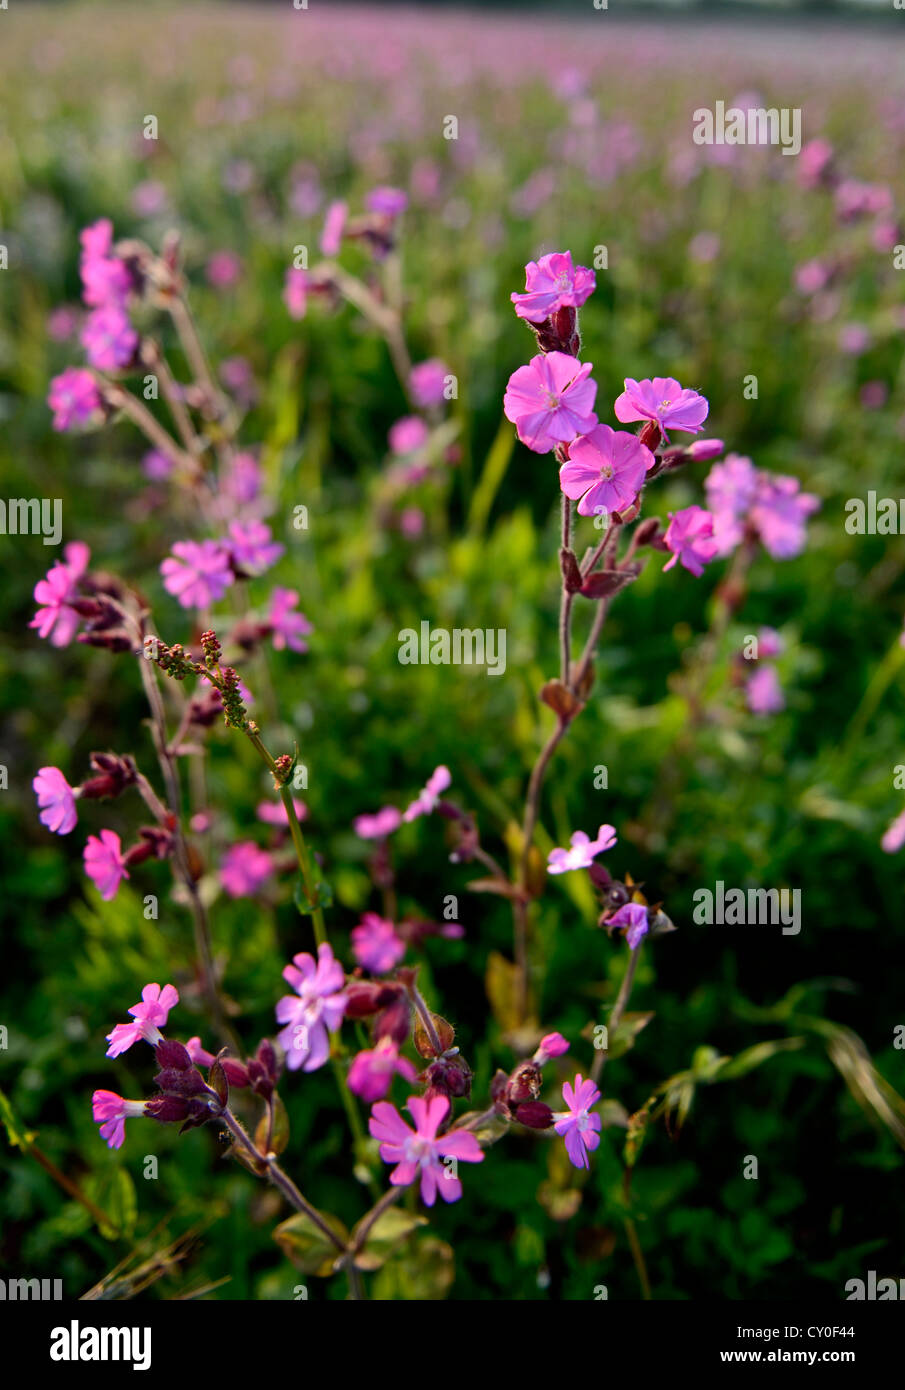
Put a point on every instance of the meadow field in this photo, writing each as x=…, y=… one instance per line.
x=263, y=395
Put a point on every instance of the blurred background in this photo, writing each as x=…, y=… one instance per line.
x=722, y=263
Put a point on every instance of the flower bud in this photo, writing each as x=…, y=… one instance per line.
x=535, y=1114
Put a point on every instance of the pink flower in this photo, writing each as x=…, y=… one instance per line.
x=731, y=488
x=156, y=465
x=763, y=691
x=74, y=398
x=408, y=434
x=56, y=799
x=780, y=514
x=813, y=160
x=245, y=869
x=606, y=470
x=553, y=1045
x=419, y=1151
x=251, y=547
x=334, y=226
x=110, y=1111
x=811, y=276
x=389, y=202
x=106, y=279
x=149, y=1017
x=894, y=837
x=54, y=618
x=295, y=292
x=703, y=450
x=223, y=270
x=427, y=799
x=769, y=643
x=551, y=400
x=553, y=283
x=199, y=575
x=104, y=863
x=108, y=338
x=199, y=1055
x=634, y=919
x=371, y=1073
x=274, y=812
x=583, y=852
x=427, y=383
x=288, y=629
x=375, y=944
x=580, y=1129
x=689, y=536
x=320, y=1006
x=382, y=823
x=662, y=400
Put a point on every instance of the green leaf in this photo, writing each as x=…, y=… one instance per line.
x=391, y=1229
x=424, y=1271
x=307, y=1246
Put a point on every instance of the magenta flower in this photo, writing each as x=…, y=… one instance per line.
x=780, y=514
x=110, y=1111
x=380, y=824
x=149, y=1017
x=551, y=400
x=894, y=836
x=251, y=547
x=334, y=226
x=375, y=944
x=106, y=279
x=553, y=283
x=389, y=202
x=74, y=398
x=408, y=434
x=731, y=488
x=606, y=470
x=275, y=813
x=295, y=292
x=583, y=852
x=371, y=1073
x=703, y=450
x=427, y=799
x=56, y=799
x=54, y=618
x=288, y=629
x=245, y=869
x=108, y=338
x=763, y=691
x=104, y=863
x=689, y=536
x=662, y=400
x=580, y=1129
x=635, y=920
x=553, y=1045
x=320, y=1006
x=156, y=465
x=427, y=383
x=199, y=575
x=419, y=1151
x=223, y=270
x=769, y=643
x=199, y=1054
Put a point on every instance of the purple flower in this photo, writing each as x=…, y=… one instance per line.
x=428, y=797
x=54, y=618
x=408, y=434
x=156, y=465
x=274, y=812
x=419, y=1151
x=251, y=547
x=223, y=270
x=149, y=1017
x=371, y=1073
x=104, y=863
x=427, y=383
x=380, y=824
x=288, y=629
x=108, y=338
x=580, y=1129
x=605, y=469
x=56, y=799
x=634, y=918
x=245, y=869
x=780, y=514
x=731, y=488
x=110, y=1111
x=320, y=1006
x=553, y=283
x=769, y=643
x=375, y=944
x=551, y=400
x=763, y=691
x=583, y=852
x=106, y=279
x=553, y=1045
x=199, y=575
x=689, y=536
x=74, y=398
x=662, y=400
x=295, y=292
x=390, y=202
x=334, y=226
x=894, y=837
